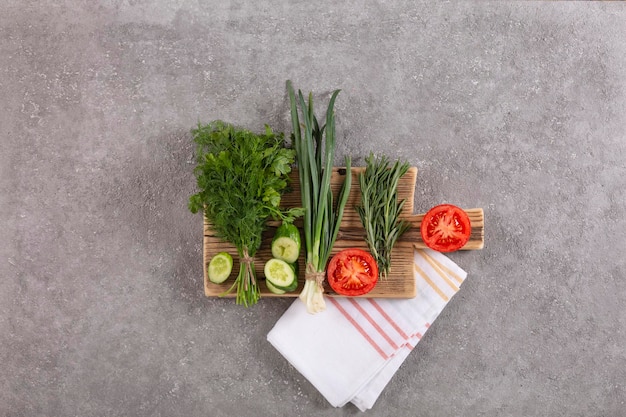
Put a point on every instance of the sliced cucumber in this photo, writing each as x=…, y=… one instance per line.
x=273, y=289
x=286, y=243
x=220, y=267
x=280, y=274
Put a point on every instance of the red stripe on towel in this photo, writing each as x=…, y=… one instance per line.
x=388, y=318
x=419, y=337
x=373, y=323
x=359, y=328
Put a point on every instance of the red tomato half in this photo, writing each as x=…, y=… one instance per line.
x=446, y=228
x=352, y=272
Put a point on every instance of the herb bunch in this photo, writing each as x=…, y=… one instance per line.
x=380, y=209
x=241, y=177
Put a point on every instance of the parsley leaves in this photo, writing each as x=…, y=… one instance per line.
x=241, y=177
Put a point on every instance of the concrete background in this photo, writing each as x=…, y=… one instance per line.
x=519, y=108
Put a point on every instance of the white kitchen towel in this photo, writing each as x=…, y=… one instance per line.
x=350, y=351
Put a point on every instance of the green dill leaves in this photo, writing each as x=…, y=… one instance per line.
x=241, y=176
x=380, y=209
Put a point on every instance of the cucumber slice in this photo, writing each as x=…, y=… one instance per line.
x=286, y=243
x=220, y=267
x=280, y=274
x=273, y=289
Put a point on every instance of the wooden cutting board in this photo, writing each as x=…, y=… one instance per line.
x=399, y=284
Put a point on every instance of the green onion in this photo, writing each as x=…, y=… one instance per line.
x=315, y=152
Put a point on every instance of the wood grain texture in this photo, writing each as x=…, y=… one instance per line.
x=399, y=284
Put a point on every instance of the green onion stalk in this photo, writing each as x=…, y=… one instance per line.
x=315, y=152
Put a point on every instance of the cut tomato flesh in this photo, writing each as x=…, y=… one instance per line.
x=446, y=228
x=352, y=272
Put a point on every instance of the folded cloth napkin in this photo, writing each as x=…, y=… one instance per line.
x=350, y=351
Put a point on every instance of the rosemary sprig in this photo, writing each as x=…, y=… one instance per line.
x=380, y=209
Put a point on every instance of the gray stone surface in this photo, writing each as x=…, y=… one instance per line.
x=519, y=108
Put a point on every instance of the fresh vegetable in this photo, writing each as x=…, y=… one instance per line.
x=315, y=151
x=352, y=272
x=220, y=267
x=280, y=274
x=286, y=243
x=380, y=209
x=446, y=228
x=273, y=289
x=241, y=176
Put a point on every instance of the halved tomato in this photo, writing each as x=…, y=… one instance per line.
x=352, y=272
x=446, y=228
